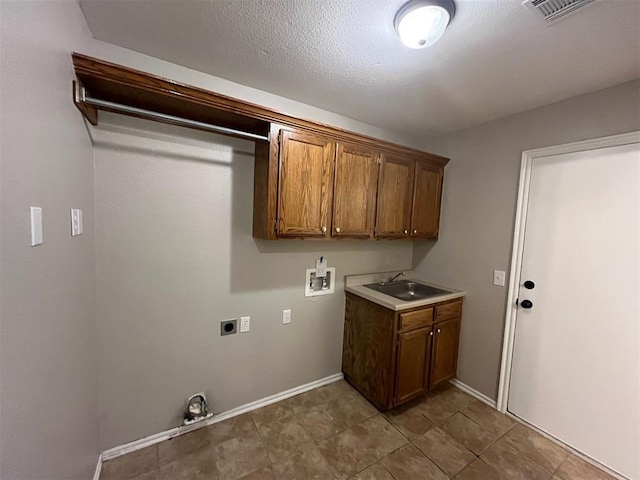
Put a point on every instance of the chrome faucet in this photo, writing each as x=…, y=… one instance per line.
x=395, y=277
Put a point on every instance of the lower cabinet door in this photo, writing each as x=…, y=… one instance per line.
x=444, y=361
x=412, y=372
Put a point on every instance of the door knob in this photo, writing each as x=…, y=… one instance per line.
x=337, y=229
x=529, y=285
x=526, y=304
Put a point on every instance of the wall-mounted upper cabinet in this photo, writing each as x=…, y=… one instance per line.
x=395, y=190
x=305, y=184
x=316, y=186
x=325, y=189
x=354, y=197
x=427, y=192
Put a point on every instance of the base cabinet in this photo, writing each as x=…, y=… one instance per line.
x=393, y=357
x=444, y=360
x=414, y=352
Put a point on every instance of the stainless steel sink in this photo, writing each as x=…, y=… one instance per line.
x=407, y=290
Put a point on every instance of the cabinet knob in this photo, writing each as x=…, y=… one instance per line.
x=438, y=330
x=406, y=232
x=337, y=229
x=324, y=229
x=415, y=231
x=431, y=333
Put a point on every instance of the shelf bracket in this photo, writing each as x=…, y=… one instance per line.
x=89, y=112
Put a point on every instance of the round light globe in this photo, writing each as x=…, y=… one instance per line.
x=422, y=23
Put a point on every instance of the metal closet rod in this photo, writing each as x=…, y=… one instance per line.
x=168, y=118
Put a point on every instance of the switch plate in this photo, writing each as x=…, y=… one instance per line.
x=245, y=323
x=286, y=317
x=498, y=278
x=36, y=226
x=76, y=222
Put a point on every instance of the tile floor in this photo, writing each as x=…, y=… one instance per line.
x=334, y=433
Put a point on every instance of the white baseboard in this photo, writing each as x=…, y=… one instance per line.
x=96, y=474
x=174, y=432
x=473, y=392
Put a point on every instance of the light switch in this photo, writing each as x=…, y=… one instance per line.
x=498, y=278
x=36, y=226
x=76, y=222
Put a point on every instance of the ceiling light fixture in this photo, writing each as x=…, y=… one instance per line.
x=421, y=23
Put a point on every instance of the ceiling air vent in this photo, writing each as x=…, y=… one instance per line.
x=552, y=10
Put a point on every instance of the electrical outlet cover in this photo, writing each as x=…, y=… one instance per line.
x=229, y=327
x=245, y=324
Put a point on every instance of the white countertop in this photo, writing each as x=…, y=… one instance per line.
x=355, y=284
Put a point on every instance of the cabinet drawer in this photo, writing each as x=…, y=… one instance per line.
x=448, y=311
x=416, y=319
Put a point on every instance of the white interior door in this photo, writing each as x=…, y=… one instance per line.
x=575, y=372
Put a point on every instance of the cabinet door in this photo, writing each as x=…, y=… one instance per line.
x=427, y=191
x=394, y=197
x=305, y=184
x=444, y=361
x=354, y=199
x=414, y=352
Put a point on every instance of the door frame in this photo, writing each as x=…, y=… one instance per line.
x=526, y=166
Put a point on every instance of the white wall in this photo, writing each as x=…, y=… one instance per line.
x=175, y=255
x=48, y=366
x=478, y=210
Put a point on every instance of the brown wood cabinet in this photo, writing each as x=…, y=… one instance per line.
x=330, y=189
x=409, y=198
x=395, y=190
x=354, y=197
x=392, y=357
x=305, y=184
x=444, y=361
x=427, y=193
x=414, y=353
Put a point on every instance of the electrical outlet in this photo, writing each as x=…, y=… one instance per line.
x=286, y=317
x=498, y=278
x=229, y=327
x=245, y=323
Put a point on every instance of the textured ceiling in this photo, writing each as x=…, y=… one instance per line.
x=495, y=59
